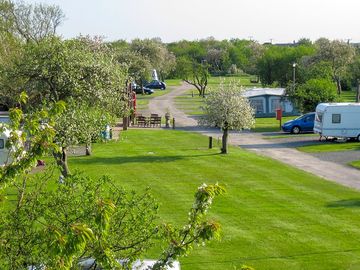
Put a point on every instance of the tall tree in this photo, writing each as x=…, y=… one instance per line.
x=31, y=22
x=338, y=54
x=193, y=73
x=80, y=70
x=228, y=109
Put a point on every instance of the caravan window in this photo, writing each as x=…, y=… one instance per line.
x=336, y=118
x=2, y=144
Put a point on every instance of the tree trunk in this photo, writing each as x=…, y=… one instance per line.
x=225, y=141
x=88, y=149
x=61, y=160
x=338, y=85
x=358, y=91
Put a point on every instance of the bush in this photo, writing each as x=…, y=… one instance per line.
x=308, y=95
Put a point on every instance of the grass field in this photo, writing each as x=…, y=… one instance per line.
x=330, y=147
x=273, y=216
x=355, y=164
x=348, y=96
x=289, y=135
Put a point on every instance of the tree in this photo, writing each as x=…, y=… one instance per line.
x=276, y=63
x=156, y=53
x=227, y=109
x=338, y=53
x=38, y=129
x=308, y=95
x=79, y=123
x=193, y=73
x=81, y=72
x=31, y=22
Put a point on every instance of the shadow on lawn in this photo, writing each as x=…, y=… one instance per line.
x=345, y=203
x=134, y=159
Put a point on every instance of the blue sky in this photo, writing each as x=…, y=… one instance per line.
x=172, y=20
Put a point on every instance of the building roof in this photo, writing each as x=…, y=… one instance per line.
x=255, y=92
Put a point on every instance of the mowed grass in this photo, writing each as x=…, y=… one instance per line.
x=273, y=216
x=269, y=124
x=348, y=96
x=244, y=80
x=355, y=164
x=330, y=147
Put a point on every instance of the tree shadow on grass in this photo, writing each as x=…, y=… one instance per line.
x=134, y=159
x=351, y=203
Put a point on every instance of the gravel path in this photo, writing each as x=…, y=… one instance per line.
x=330, y=167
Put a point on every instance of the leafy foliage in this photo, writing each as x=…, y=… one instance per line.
x=306, y=96
x=35, y=129
x=80, y=218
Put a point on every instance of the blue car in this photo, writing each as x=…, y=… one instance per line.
x=304, y=123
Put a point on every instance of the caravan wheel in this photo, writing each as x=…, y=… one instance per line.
x=358, y=138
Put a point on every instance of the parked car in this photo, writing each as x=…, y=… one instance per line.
x=304, y=123
x=156, y=85
x=138, y=90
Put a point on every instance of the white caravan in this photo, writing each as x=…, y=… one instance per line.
x=338, y=120
x=4, y=152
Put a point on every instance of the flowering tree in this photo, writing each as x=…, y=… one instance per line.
x=79, y=123
x=227, y=109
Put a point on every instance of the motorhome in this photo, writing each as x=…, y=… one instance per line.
x=338, y=120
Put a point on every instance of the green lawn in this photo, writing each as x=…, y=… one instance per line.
x=243, y=79
x=289, y=135
x=355, y=164
x=330, y=147
x=270, y=124
x=348, y=96
x=273, y=216
x=173, y=82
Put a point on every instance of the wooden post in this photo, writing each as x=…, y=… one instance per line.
x=210, y=142
x=125, y=124
x=173, y=123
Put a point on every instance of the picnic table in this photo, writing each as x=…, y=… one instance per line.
x=154, y=120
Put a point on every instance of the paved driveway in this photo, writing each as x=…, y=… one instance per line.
x=331, y=167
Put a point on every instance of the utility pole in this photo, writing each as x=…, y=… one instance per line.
x=294, y=69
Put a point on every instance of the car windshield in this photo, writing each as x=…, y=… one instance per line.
x=303, y=116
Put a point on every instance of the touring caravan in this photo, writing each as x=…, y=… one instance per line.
x=4, y=152
x=338, y=120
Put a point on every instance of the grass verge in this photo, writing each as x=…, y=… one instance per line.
x=330, y=147
x=273, y=216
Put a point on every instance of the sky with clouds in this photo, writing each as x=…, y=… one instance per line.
x=172, y=20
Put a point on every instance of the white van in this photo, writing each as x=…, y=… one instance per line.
x=338, y=120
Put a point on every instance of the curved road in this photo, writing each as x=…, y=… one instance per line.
x=331, y=171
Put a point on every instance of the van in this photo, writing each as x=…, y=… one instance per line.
x=338, y=120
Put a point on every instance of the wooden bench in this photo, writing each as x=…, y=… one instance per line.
x=141, y=121
x=155, y=121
